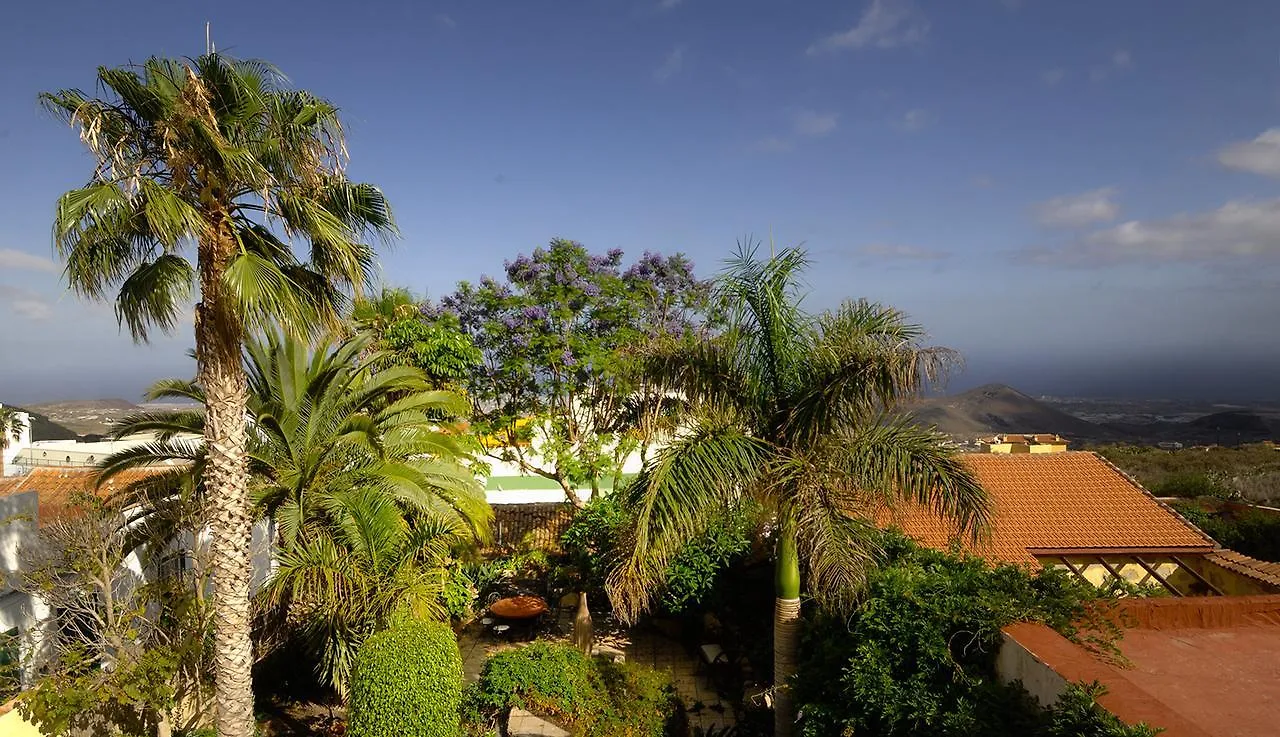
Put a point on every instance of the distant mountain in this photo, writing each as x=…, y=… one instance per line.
x=996, y=408
x=85, y=416
x=43, y=428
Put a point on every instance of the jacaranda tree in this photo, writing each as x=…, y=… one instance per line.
x=558, y=340
x=207, y=173
x=795, y=412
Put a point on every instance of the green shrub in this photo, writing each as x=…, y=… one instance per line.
x=917, y=657
x=592, y=538
x=407, y=681
x=1077, y=714
x=1250, y=531
x=459, y=594
x=592, y=697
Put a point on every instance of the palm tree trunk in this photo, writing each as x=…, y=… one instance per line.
x=786, y=631
x=219, y=337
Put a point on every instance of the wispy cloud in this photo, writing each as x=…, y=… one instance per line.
x=983, y=181
x=884, y=24
x=671, y=65
x=914, y=120
x=1077, y=210
x=900, y=252
x=1051, y=77
x=1120, y=60
x=772, y=145
x=24, y=303
x=813, y=124
x=1239, y=232
x=1259, y=156
x=446, y=20
x=668, y=4
x=14, y=260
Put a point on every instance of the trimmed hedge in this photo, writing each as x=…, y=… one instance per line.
x=407, y=681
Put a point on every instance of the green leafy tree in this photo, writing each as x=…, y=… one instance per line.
x=795, y=412
x=353, y=464
x=206, y=172
x=558, y=340
x=438, y=347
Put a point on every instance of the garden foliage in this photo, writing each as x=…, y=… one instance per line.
x=592, y=697
x=407, y=682
x=1253, y=532
x=592, y=539
x=917, y=656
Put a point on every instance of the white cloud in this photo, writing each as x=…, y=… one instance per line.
x=1076, y=210
x=446, y=20
x=813, y=124
x=1259, y=156
x=914, y=120
x=894, y=251
x=1121, y=59
x=1239, y=231
x=671, y=65
x=1053, y=76
x=772, y=145
x=885, y=24
x=983, y=181
x=14, y=260
x=668, y=4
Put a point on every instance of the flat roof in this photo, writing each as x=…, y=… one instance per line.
x=1197, y=667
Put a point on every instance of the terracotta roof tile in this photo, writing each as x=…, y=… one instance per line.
x=56, y=487
x=535, y=525
x=1268, y=573
x=1060, y=501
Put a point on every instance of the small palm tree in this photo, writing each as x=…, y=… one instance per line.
x=355, y=465
x=794, y=411
x=206, y=172
x=11, y=426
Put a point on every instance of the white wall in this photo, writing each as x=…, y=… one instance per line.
x=18, y=520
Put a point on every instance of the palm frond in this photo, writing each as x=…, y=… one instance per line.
x=701, y=473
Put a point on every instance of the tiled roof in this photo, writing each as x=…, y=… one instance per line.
x=536, y=526
x=1059, y=502
x=1268, y=573
x=56, y=487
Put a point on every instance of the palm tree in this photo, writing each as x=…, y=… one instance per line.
x=796, y=412
x=359, y=470
x=207, y=171
x=11, y=426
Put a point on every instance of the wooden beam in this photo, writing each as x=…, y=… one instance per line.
x=1114, y=573
x=1197, y=575
x=1156, y=575
x=1074, y=570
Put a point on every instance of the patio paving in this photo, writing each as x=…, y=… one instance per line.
x=705, y=707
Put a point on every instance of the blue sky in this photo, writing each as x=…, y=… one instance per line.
x=1080, y=196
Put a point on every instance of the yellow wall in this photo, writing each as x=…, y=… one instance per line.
x=1049, y=448
x=1008, y=448
x=13, y=725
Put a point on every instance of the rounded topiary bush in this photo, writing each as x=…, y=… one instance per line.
x=407, y=681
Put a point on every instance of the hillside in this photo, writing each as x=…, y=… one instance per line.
x=996, y=408
x=84, y=416
x=44, y=428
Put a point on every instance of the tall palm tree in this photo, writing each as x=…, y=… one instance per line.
x=367, y=485
x=207, y=172
x=795, y=411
